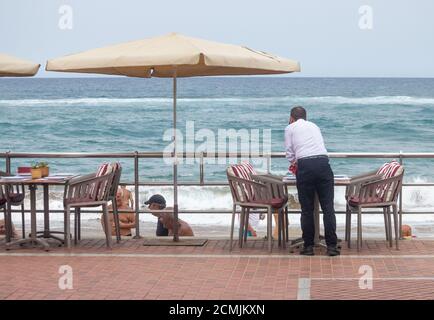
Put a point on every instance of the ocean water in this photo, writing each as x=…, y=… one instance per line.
x=124, y=115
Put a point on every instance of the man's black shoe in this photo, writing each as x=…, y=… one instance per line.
x=307, y=251
x=333, y=251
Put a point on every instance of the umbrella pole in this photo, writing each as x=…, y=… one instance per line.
x=175, y=166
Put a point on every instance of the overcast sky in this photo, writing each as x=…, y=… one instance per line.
x=325, y=36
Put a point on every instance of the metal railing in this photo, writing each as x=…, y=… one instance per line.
x=136, y=156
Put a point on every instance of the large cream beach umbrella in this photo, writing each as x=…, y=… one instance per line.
x=171, y=56
x=14, y=67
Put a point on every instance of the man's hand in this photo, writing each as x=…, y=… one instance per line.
x=293, y=168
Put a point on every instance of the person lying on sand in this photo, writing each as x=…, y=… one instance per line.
x=127, y=220
x=165, y=222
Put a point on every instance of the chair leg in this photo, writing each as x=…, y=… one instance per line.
x=269, y=229
x=107, y=226
x=234, y=208
x=8, y=223
x=23, y=221
x=246, y=224
x=359, y=229
x=283, y=226
x=67, y=227
x=75, y=226
x=396, y=224
x=241, y=231
x=286, y=224
x=389, y=225
x=5, y=212
x=386, y=224
x=348, y=227
x=347, y=215
x=79, y=224
x=116, y=218
x=279, y=226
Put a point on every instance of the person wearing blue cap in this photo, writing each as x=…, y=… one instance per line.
x=166, y=220
x=157, y=202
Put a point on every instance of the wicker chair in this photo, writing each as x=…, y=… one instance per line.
x=86, y=192
x=256, y=194
x=372, y=190
x=10, y=196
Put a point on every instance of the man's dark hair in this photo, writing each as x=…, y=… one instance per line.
x=298, y=113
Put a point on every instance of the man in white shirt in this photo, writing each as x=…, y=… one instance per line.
x=307, y=155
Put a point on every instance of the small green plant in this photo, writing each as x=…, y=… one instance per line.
x=35, y=166
x=42, y=164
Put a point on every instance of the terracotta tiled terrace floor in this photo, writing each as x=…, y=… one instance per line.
x=133, y=271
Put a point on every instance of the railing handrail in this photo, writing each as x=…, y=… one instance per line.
x=160, y=154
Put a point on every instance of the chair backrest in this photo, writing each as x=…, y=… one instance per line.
x=114, y=168
x=241, y=191
x=116, y=180
x=389, y=191
x=88, y=189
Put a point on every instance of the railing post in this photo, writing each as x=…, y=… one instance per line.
x=136, y=194
x=201, y=170
x=401, y=161
x=269, y=164
x=8, y=162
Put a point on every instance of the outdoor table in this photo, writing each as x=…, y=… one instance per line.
x=338, y=181
x=33, y=185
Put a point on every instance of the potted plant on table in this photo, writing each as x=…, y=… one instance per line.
x=45, y=169
x=36, y=172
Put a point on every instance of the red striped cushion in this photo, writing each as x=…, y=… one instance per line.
x=388, y=170
x=102, y=170
x=244, y=170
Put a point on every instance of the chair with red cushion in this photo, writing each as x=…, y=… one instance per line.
x=103, y=169
x=378, y=189
x=252, y=191
x=89, y=191
x=10, y=196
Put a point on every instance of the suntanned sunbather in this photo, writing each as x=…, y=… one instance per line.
x=127, y=220
x=166, y=220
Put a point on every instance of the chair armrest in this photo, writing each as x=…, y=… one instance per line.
x=356, y=182
x=363, y=175
x=275, y=184
x=381, y=188
x=80, y=179
x=246, y=189
x=379, y=182
x=270, y=178
x=365, y=178
x=88, y=188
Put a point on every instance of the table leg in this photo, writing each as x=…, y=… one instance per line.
x=47, y=233
x=8, y=222
x=33, y=237
x=46, y=212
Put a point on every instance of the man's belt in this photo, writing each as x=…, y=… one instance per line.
x=320, y=156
